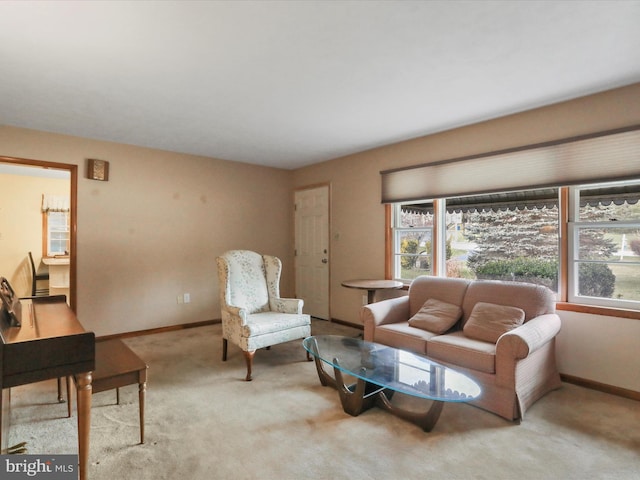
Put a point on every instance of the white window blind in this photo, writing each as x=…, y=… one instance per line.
x=606, y=156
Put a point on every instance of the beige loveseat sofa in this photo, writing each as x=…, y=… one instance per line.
x=514, y=368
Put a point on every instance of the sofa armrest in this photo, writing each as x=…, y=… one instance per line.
x=287, y=305
x=527, y=338
x=393, y=310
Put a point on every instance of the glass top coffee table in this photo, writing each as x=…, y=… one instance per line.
x=380, y=371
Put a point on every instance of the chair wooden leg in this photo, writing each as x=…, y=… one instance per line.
x=69, y=397
x=60, y=397
x=248, y=356
x=224, y=349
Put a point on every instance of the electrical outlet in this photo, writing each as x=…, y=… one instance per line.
x=180, y=299
x=187, y=297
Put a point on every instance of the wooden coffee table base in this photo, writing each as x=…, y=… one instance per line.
x=363, y=395
x=380, y=372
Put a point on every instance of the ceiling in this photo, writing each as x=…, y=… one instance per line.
x=292, y=83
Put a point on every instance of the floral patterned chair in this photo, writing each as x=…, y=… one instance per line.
x=253, y=314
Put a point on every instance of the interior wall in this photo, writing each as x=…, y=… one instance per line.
x=357, y=216
x=153, y=231
x=21, y=225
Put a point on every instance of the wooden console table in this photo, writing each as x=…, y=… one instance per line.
x=51, y=343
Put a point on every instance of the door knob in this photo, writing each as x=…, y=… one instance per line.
x=324, y=260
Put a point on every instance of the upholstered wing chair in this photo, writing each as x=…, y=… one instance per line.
x=253, y=314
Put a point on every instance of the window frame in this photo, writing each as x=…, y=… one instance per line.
x=574, y=225
x=567, y=206
x=46, y=234
x=395, y=254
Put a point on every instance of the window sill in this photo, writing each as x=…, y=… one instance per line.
x=595, y=310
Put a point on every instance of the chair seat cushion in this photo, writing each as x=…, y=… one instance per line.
x=270, y=322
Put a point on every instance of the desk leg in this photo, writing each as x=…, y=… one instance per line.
x=5, y=418
x=142, y=388
x=83, y=387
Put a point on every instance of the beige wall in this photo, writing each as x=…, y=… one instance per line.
x=357, y=217
x=152, y=232
x=21, y=225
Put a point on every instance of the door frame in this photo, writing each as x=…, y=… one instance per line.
x=73, y=218
x=295, y=272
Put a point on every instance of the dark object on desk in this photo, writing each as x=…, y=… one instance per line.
x=11, y=306
x=37, y=275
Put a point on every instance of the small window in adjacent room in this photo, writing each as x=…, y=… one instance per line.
x=604, y=247
x=412, y=240
x=56, y=225
x=57, y=231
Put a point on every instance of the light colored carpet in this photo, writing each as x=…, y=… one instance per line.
x=205, y=422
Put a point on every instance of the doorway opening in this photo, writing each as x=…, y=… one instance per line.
x=19, y=234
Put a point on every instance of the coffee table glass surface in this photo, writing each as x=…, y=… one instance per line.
x=393, y=369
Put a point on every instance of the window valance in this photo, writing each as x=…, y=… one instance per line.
x=606, y=156
x=521, y=200
x=55, y=203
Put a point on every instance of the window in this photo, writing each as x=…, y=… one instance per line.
x=516, y=236
x=413, y=240
x=55, y=225
x=509, y=236
x=57, y=233
x=604, y=246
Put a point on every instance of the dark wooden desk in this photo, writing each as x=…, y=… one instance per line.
x=51, y=343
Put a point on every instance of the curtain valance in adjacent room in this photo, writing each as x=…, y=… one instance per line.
x=55, y=203
x=603, y=157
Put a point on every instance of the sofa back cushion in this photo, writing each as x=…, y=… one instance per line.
x=449, y=290
x=489, y=321
x=436, y=316
x=535, y=300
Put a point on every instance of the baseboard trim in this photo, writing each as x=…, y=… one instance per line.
x=601, y=387
x=150, y=331
x=348, y=324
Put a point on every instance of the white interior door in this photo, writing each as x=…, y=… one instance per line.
x=312, y=250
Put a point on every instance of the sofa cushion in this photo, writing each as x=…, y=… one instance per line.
x=456, y=349
x=450, y=290
x=489, y=321
x=403, y=336
x=436, y=316
x=535, y=300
